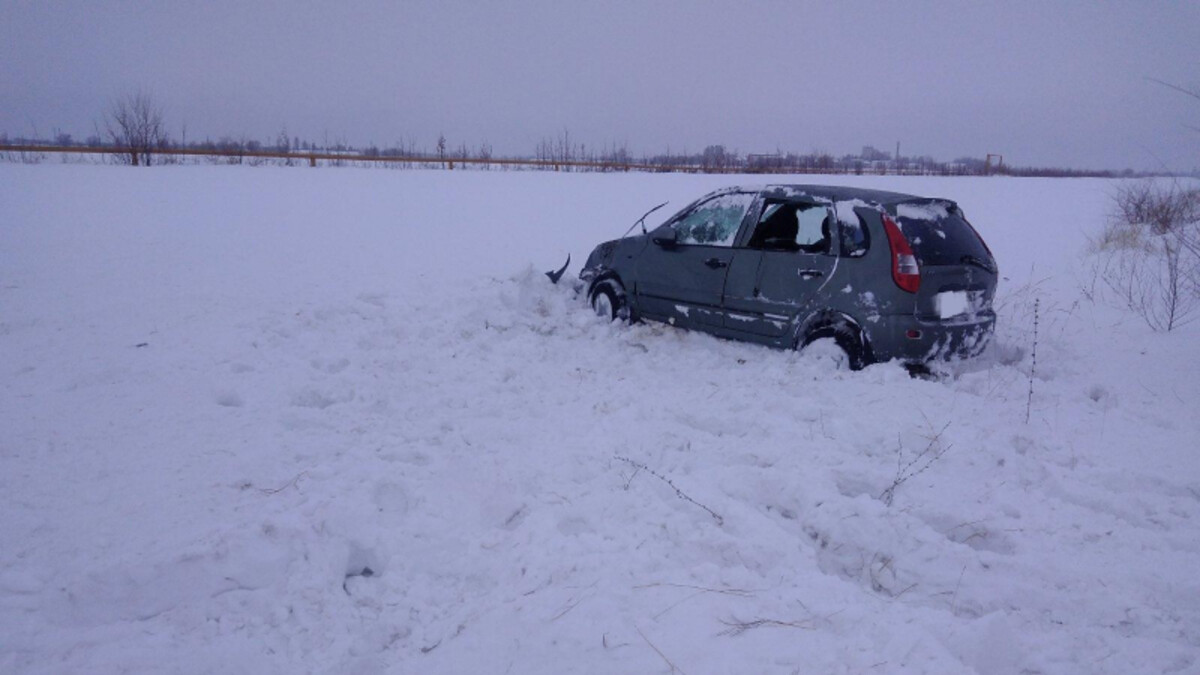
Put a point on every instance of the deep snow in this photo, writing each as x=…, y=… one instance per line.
x=336, y=420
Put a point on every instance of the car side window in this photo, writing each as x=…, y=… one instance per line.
x=855, y=241
x=714, y=222
x=788, y=226
x=816, y=232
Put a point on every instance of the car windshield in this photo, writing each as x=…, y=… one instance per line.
x=940, y=235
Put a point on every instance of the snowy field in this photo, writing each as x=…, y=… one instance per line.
x=271, y=420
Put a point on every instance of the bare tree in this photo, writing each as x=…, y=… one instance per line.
x=134, y=126
x=485, y=153
x=283, y=144
x=714, y=158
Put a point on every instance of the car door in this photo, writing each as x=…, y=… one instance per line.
x=681, y=274
x=783, y=268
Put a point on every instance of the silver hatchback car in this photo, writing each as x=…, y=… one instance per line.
x=885, y=275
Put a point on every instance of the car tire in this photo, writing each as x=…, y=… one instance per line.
x=847, y=339
x=605, y=302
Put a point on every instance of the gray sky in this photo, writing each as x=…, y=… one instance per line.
x=1043, y=83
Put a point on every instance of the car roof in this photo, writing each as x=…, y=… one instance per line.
x=839, y=193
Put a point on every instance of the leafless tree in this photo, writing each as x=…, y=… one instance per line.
x=283, y=144
x=714, y=159
x=560, y=150
x=544, y=151
x=485, y=153
x=134, y=126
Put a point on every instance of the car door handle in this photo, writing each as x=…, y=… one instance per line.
x=716, y=263
x=810, y=274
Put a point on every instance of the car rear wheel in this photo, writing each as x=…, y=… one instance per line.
x=827, y=352
x=823, y=341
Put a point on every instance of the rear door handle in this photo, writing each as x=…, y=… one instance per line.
x=810, y=274
x=716, y=263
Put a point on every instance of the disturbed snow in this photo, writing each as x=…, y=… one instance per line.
x=284, y=420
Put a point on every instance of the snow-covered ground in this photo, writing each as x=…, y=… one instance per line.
x=269, y=420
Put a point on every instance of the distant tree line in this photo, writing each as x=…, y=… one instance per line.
x=133, y=126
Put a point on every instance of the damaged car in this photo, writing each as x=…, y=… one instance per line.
x=882, y=275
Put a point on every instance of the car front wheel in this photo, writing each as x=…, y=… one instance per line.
x=605, y=302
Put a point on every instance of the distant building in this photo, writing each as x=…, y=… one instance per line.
x=870, y=154
x=761, y=161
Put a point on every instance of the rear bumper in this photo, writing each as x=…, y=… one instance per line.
x=915, y=340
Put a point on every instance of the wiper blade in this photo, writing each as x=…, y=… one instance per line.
x=978, y=262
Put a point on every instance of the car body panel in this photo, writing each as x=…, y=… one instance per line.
x=767, y=291
x=682, y=284
x=680, y=276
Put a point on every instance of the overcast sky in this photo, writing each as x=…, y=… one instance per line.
x=1043, y=83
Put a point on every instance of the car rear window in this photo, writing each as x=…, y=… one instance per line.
x=939, y=234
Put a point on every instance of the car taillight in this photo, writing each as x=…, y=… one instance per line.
x=905, y=270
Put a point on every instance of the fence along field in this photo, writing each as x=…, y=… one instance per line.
x=754, y=164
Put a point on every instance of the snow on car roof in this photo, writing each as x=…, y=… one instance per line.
x=839, y=193
x=826, y=192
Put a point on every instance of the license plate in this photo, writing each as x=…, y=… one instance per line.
x=952, y=303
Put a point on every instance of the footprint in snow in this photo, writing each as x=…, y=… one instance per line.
x=391, y=499
x=312, y=398
x=331, y=366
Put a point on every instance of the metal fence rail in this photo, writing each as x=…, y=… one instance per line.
x=424, y=161
x=313, y=157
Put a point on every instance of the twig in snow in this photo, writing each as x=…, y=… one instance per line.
x=917, y=465
x=739, y=592
x=274, y=491
x=1033, y=365
x=677, y=603
x=572, y=605
x=678, y=493
x=954, y=598
x=630, y=479
x=657, y=650
x=737, y=627
x=699, y=590
x=885, y=562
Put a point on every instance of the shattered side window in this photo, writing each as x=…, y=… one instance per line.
x=790, y=226
x=852, y=229
x=715, y=222
x=813, y=234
